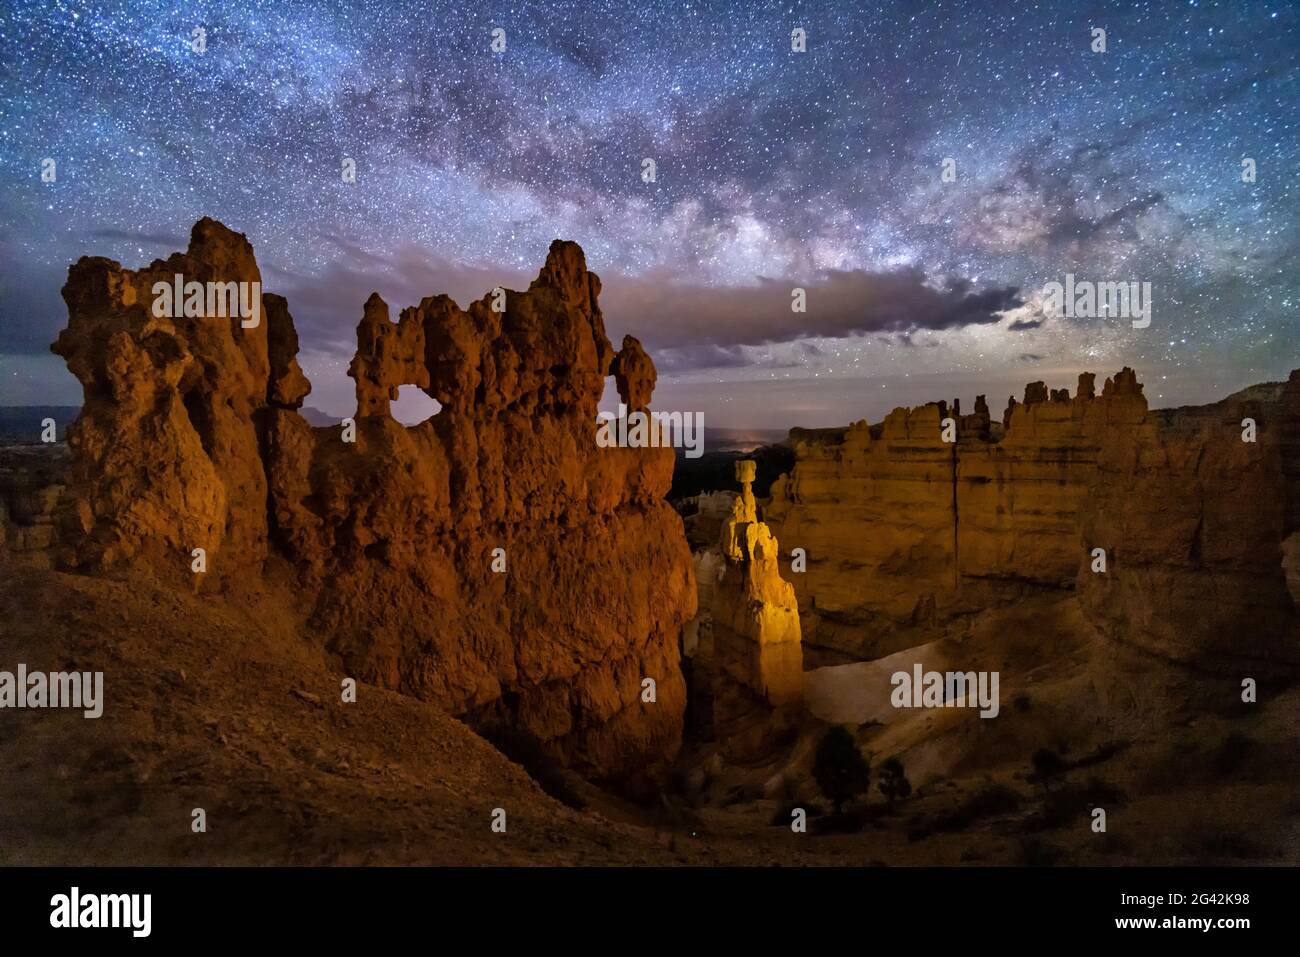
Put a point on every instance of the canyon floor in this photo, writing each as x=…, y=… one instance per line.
x=288, y=774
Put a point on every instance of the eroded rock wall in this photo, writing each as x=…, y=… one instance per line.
x=165, y=455
x=1193, y=519
x=492, y=558
x=873, y=509
x=904, y=529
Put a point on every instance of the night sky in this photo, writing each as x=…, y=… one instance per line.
x=774, y=169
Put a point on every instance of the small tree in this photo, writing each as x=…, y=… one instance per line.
x=839, y=768
x=893, y=780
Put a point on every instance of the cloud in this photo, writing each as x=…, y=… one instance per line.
x=688, y=327
x=326, y=306
x=712, y=322
x=677, y=360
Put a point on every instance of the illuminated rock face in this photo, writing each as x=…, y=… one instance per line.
x=634, y=375
x=744, y=513
x=873, y=509
x=492, y=558
x=902, y=528
x=165, y=454
x=757, y=605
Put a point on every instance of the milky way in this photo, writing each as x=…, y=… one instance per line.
x=774, y=169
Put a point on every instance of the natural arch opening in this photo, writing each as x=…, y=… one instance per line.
x=414, y=406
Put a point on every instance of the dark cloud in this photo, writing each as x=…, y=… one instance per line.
x=1022, y=325
x=688, y=327
x=695, y=358
x=326, y=306
x=670, y=361
x=839, y=304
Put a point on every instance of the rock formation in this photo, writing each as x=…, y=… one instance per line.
x=492, y=558
x=873, y=510
x=495, y=560
x=904, y=529
x=634, y=374
x=165, y=453
x=1193, y=519
x=763, y=609
x=745, y=651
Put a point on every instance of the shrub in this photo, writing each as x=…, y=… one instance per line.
x=839, y=768
x=893, y=780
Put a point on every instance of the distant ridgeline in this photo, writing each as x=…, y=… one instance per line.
x=22, y=424
x=714, y=471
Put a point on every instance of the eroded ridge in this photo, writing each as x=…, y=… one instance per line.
x=492, y=558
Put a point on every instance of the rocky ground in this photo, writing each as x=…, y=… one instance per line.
x=287, y=773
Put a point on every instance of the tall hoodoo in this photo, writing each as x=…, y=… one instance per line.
x=764, y=610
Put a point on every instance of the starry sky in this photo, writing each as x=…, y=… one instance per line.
x=774, y=169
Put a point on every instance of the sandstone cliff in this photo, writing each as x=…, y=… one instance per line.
x=1194, y=520
x=902, y=528
x=492, y=558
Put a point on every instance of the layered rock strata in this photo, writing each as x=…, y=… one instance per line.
x=905, y=529
x=1192, y=511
